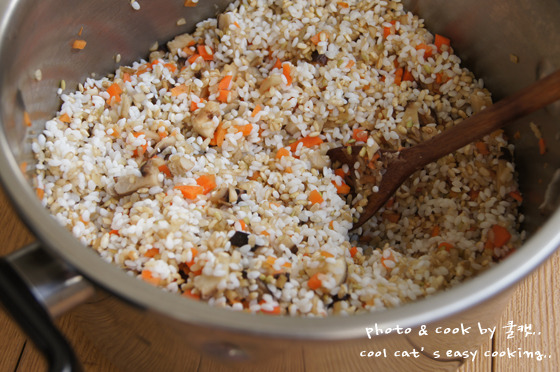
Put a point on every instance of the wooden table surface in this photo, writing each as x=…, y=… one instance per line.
x=536, y=302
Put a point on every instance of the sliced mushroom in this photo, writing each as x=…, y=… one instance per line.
x=271, y=81
x=179, y=165
x=225, y=20
x=127, y=185
x=165, y=143
x=317, y=160
x=207, y=119
x=179, y=42
x=410, y=117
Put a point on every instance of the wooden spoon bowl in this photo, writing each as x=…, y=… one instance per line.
x=399, y=167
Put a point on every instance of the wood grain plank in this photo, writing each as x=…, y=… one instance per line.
x=480, y=364
x=536, y=302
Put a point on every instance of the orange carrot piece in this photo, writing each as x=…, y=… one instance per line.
x=391, y=216
x=190, y=191
x=307, y=142
x=23, y=167
x=445, y=245
x=79, y=44
x=342, y=189
x=398, y=76
x=243, y=225
x=282, y=152
x=278, y=64
x=516, y=195
x=193, y=58
x=339, y=172
x=189, y=294
x=40, y=193
x=440, y=41
x=219, y=136
x=353, y=251
x=360, y=135
x=315, y=197
x=435, y=230
x=178, y=90
x=427, y=49
x=152, y=252
x=256, y=110
x=407, y=76
x=326, y=254
x=482, y=148
x=206, y=52
x=245, y=129
x=386, y=32
x=170, y=66
x=114, y=232
x=286, y=71
x=225, y=83
x=81, y=30
x=165, y=170
x=126, y=77
x=65, y=118
x=314, y=282
x=343, y=4
x=542, y=146
x=194, y=253
x=223, y=95
x=207, y=182
x=500, y=236
x=275, y=311
x=255, y=176
x=350, y=63
x=317, y=38
x=149, y=277
x=190, y=3
x=26, y=119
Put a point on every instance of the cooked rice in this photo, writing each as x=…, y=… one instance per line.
x=256, y=241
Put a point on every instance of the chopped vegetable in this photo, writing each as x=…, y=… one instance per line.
x=191, y=3
x=350, y=63
x=65, y=118
x=398, y=76
x=193, y=58
x=391, y=216
x=516, y=195
x=207, y=181
x=360, y=135
x=353, y=251
x=321, y=36
x=445, y=245
x=386, y=32
x=482, y=148
x=189, y=293
x=427, y=49
x=178, y=90
x=314, y=282
x=165, y=170
x=435, y=230
x=152, y=252
x=440, y=41
x=243, y=225
x=315, y=197
x=343, y=4
x=542, y=146
x=282, y=152
x=26, y=119
x=245, y=129
x=190, y=191
x=500, y=236
x=307, y=142
x=114, y=91
x=256, y=110
x=150, y=278
x=219, y=136
x=277, y=64
x=286, y=71
x=40, y=193
x=171, y=67
x=223, y=95
x=342, y=189
x=114, y=232
x=326, y=254
x=194, y=253
x=407, y=76
x=126, y=77
x=225, y=83
x=205, y=52
x=79, y=44
x=275, y=311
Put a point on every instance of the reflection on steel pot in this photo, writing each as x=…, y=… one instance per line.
x=143, y=328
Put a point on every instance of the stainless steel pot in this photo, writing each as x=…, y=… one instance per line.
x=142, y=328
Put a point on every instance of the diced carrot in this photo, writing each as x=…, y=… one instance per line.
x=399, y=75
x=314, y=282
x=23, y=167
x=126, y=77
x=343, y=4
x=256, y=110
x=360, y=135
x=255, y=176
x=482, y=148
x=390, y=203
x=162, y=134
x=205, y=52
x=275, y=311
x=516, y=195
x=65, y=118
x=350, y=63
x=152, y=252
x=225, y=83
x=500, y=236
x=319, y=37
x=315, y=197
x=165, y=170
x=223, y=95
x=79, y=44
x=353, y=251
x=150, y=278
x=440, y=41
x=40, y=193
x=191, y=3
x=386, y=32
x=435, y=230
x=326, y=254
x=190, y=191
x=194, y=253
x=219, y=136
x=265, y=233
x=138, y=134
x=286, y=71
x=140, y=150
x=114, y=91
x=81, y=30
x=445, y=245
x=243, y=225
x=270, y=260
x=245, y=129
x=170, y=66
x=427, y=49
x=26, y=119
x=307, y=142
x=282, y=152
x=342, y=189
x=542, y=146
x=194, y=105
x=178, y=90
x=189, y=294
x=193, y=58
x=114, y=232
x=439, y=78
x=339, y=172
x=236, y=24
x=207, y=182
x=407, y=76
x=277, y=64
x=391, y=216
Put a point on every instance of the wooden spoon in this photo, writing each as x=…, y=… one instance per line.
x=407, y=161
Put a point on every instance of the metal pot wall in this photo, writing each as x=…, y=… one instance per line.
x=142, y=328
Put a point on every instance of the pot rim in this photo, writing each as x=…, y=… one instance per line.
x=114, y=280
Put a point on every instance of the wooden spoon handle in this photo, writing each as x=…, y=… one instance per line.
x=526, y=101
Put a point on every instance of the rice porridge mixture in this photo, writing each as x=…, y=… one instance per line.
x=203, y=169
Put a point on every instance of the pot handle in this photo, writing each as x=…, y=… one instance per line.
x=33, y=300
